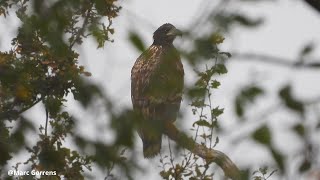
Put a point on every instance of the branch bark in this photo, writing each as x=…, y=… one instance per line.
x=210, y=155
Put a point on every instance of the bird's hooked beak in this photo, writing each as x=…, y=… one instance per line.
x=174, y=32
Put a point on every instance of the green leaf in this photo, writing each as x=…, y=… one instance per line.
x=217, y=38
x=198, y=103
x=286, y=96
x=85, y=92
x=245, y=174
x=198, y=172
x=217, y=112
x=164, y=174
x=196, y=92
x=53, y=105
x=123, y=125
x=98, y=34
x=307, y=49
x=227, y=20
x=201, y=83
x=263, y=170
x=279, y=158
x=252, y=92
x=4, y=144
x=136, y=41
x=306, y=165
x=226, y=53
x=299, y=129
x=247, y=21
x=262, y=135
x=214, y=84
x=221, y=69
x=247, y=95
x=238, y=105
x=202, y=122
x=216, y=142
x=205, y=48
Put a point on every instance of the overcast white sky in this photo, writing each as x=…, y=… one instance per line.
x=289, y=25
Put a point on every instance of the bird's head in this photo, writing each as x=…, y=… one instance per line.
x=165, y=34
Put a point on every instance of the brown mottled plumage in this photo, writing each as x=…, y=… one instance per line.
x=156, y=87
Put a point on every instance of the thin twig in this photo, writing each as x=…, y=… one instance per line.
x=7, y=114
x=46, y=126
x=172, y=160
x=26, y=108
x=82, y=29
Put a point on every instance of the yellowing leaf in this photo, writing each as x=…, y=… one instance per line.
x=81, y=68
x=45, y=62
x=87, y=73
x=22, y=92
x=216, y=38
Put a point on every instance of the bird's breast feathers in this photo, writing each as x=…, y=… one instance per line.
x=157, y=74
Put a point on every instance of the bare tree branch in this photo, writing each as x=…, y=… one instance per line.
x=275, y=60
x=210, y=155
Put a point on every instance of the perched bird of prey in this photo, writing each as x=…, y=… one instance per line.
x=156, y=87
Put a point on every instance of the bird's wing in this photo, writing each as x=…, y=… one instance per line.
x=156, y=90
x=157, y=78
x=141, y=75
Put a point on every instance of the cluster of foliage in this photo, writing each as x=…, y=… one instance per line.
x=42, y=67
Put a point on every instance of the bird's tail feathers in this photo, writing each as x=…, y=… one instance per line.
x=151, y=147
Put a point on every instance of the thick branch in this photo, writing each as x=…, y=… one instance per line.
x=275, y=60
x=210, y=155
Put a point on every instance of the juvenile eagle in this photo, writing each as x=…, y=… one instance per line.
x=156, y=88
